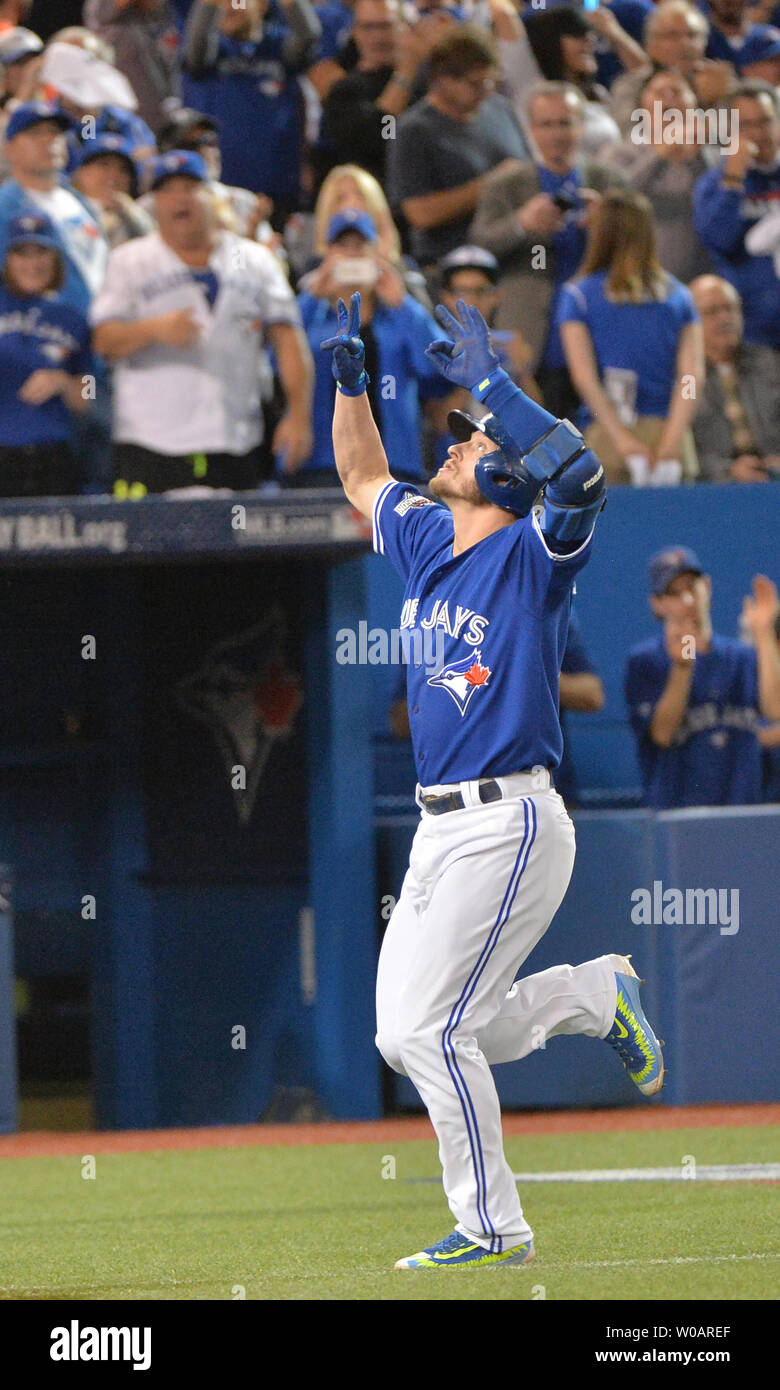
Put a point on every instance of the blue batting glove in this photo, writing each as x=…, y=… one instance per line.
x=349, y=353
x=469, y=359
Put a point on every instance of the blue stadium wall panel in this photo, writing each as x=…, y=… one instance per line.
x=724, y=1032
x=706, y=982
x=229, y=1025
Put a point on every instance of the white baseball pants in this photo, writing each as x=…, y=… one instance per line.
x=482, y=887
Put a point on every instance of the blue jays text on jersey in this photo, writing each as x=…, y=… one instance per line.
x=503, y=607
x=439, y=617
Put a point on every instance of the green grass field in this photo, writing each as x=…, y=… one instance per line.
x=322, y=1223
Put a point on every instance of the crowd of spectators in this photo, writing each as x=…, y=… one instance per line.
x=200, y=180
x=187, y=187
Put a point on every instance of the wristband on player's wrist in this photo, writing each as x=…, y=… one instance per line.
x=482, y=387
x=358, y=389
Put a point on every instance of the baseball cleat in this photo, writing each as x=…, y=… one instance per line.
x=458, y=1252
x=631, y=1035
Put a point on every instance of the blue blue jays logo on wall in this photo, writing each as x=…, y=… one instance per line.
x=461, y=678
x=247, y=695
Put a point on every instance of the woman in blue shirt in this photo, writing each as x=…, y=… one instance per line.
x=44, y=358
x=633, y=343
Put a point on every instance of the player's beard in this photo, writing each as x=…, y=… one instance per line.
x=450, y=487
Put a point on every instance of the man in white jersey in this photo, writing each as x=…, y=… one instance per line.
x=183, y=314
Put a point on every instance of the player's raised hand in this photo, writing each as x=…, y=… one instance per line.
x=468, y=358
x=349, y=353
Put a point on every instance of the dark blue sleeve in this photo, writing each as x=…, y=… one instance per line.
x=544, y=577
x=717, y=214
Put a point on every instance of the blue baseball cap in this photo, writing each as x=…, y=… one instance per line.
x=668, y=564
x=106, y=144
x=762, y=42
x=32, y=113
x=18, y=44
x=351, y=220
x=178, y=164
x=110, y=144
x=32, y=228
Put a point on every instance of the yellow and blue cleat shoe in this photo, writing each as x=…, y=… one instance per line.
x=631, y=1035
x=458, y=1252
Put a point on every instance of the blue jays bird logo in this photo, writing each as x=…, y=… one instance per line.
x=249, y=697
x=461, y=678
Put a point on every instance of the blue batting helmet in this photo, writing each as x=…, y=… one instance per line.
x=501, y=476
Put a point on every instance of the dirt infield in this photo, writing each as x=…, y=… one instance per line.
x=44, y=1143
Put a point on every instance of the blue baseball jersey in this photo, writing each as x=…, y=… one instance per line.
x=254, y=95
x=485, y=633
x=38, y=333
x=639, y=340
x=715, y=758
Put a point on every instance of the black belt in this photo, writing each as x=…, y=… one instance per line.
x=453, y=801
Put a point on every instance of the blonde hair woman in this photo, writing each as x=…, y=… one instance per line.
x=633, y=343
x=348, y=187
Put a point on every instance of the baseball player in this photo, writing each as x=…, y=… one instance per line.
x=493, y=853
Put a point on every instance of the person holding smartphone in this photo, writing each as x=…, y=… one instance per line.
x=396, y=332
